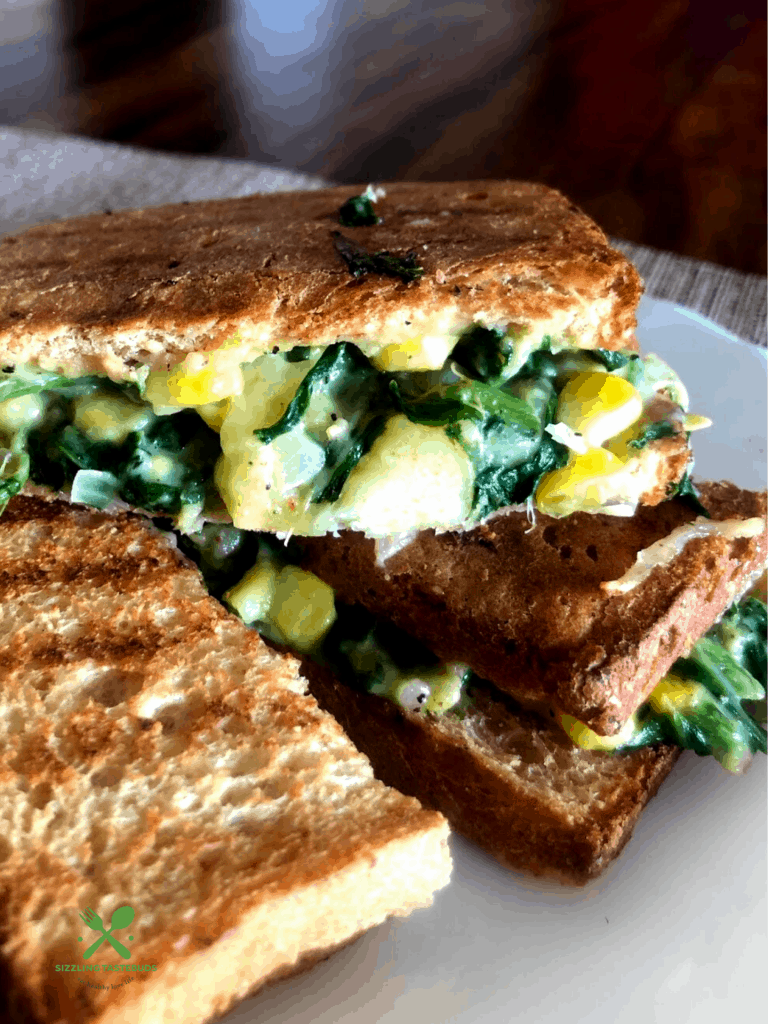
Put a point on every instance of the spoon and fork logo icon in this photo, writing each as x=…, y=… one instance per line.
x=121, y=918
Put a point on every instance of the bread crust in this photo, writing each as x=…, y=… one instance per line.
x=106, y=293
x=154, y=752
x=504, y=778
x=524, y=606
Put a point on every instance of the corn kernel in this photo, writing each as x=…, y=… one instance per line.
x=598, y=406
x=252, y=597
x=21, y=414
x=210, y=384
x=198, y=381
x=583, y=484
x=303, y=608
x=444, y=686
x=674, y=694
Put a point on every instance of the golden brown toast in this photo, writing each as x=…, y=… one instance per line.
x=155, y=754
x=524, y=607
x=106, y=293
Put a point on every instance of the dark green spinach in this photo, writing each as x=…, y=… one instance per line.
x=483, y=353
x=341, y=368
x=358, y=212
x=342, y=456
x=498, y=485
x=686, y=491
x=722, y=722
x=611, y=360
x=361, y=262
x=653, y=432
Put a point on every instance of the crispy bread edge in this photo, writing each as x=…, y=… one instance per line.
x=108, y=293
x=530, y=832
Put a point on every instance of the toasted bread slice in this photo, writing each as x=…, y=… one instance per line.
x=106, y=293
x=524, y=606
x=157, y=755
x=508, y=779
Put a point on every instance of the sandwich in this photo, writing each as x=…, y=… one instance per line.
x=181, y=823
x=309, y=362
x=293, y=382
x=559, y=671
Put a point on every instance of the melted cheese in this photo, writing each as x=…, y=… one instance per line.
x=665, y=550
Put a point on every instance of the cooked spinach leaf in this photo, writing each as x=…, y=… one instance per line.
x=686, y=491
x=361, y=262
x=163, y=468
x=343, y=456
x=742, y=632
x=27, y=381
x=720, y=721
x=611, y=360
x=653, y=432
x=539, y=365
x=433, y=410
x=298, y=354
x=342, y=367
x=483, y=352
x=14, y=473
x=168, y=464
x=469, y=401
x=497, y=485
x=358, y=212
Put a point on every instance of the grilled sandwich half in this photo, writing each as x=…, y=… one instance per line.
x=536, y=683
x=415, y=357
x=157, y=755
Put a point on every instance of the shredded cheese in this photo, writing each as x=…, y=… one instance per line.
x=665, y=550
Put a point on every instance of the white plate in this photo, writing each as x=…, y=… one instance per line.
x=674, y=931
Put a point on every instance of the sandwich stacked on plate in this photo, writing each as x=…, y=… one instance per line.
x=408, y=435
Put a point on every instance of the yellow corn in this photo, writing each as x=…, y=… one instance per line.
x=695, y=422
x=200, y=380
x=20, y=414
x=598, y=406
x=303, y=608
x=252, y=597
x=444, y=687
x=582, y=484
x=210, y=384
x=674, y=694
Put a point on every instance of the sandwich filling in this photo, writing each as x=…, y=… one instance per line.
x=712, y=702
x=435, y=432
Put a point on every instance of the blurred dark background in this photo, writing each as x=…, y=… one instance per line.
x=651, y=115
